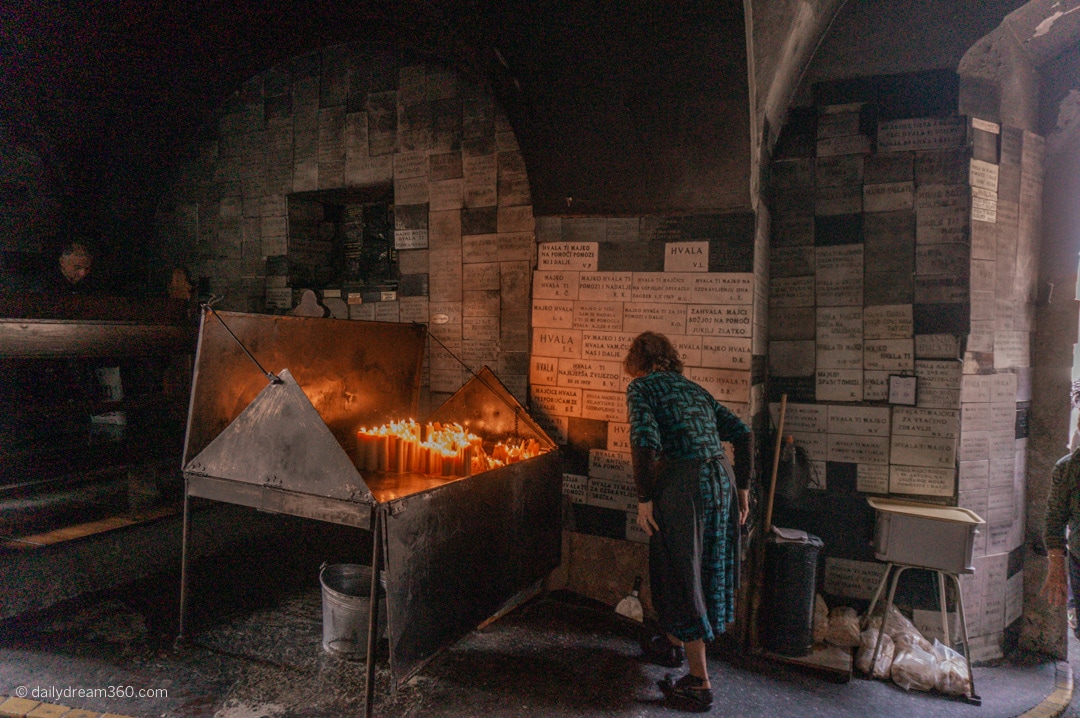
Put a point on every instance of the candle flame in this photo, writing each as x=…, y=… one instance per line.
x=459, y=452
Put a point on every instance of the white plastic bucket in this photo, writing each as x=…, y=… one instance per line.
x=346, y=597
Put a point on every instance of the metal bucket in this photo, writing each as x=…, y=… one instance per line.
x=346, y=598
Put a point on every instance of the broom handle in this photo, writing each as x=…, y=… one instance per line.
x=775, y=464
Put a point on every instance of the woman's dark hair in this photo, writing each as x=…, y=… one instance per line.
x=181, y=268
x=75, y=247
x=652, y=352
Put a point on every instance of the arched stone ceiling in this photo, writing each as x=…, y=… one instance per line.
x=623, y=107
x=619, y=106
x=1045, y=28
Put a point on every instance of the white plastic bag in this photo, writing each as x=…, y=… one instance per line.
x=843, y=627
x=899, y=628
x=867, y=640
x=821, y=619
x=953, y=678
x=906, y=638
x=914, y=668
x=899, y=623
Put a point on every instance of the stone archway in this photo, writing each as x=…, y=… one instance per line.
x=986, y=277
x=340, y=122
x=1025, y=70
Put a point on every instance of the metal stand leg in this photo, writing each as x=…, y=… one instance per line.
x=944, y=614
x=974, y=697
x=185, y=536
x=880, y=587
x=373, y=614
x=885, y=614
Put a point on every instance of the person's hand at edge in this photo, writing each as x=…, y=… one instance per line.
x=744, y=505
x=1054, y=587
x=645, y=518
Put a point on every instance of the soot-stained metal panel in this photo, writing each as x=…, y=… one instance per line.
x=354, y=373
x=485, y=407
x=279, y=441
x=459, y=552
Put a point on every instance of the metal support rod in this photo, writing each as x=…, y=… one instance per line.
x=877, y=593
x=885, y=613
x=274, y=379
x=974, y=697
x=15, y=539
x=373, y=613
x=184, y=538
x=513, y=407
x=944, y=614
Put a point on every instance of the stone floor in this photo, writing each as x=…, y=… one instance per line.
x=260, y=655
x=254, y=651
x=1073, y=711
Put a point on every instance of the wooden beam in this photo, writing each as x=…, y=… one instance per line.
x=56, y=338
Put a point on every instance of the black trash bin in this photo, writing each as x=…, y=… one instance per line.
x=787, y=601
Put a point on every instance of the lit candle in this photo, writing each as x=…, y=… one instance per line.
x=370, y=451
x=384, y=453
x=361, y=448
x=397, y=454
x=466, y=461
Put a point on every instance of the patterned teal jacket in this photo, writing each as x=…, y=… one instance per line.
x=675, y=416
x=1063, y=506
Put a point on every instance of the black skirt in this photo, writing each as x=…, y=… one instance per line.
x=694, y=558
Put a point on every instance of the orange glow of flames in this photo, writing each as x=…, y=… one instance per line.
x=435, y=448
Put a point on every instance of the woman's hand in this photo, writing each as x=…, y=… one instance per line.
x=1054, y=588
x=645, y=518
x=744, y=505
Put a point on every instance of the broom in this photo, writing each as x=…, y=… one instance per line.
x=759, y=552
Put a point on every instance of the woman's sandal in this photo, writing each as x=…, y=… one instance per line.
x=687, y=693
x=658, y=650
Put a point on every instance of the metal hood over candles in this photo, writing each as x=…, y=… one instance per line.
x=290, y=445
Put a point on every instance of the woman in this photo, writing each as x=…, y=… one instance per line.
x=684, y=505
